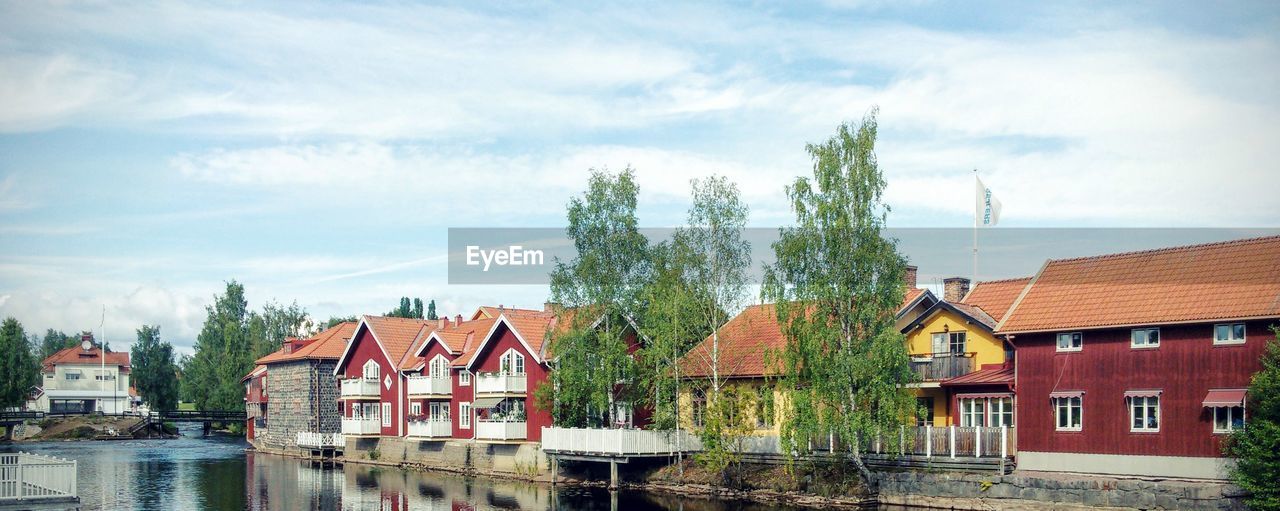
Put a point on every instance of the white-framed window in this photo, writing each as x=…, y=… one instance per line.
x=71, y=376
x=1144, y=337
x=371, y=411
x=355, y=410
x=1144, y=414
x=464, y=415
x=1228, y=333
x=1070, y=341
x=973, y=412
x=439, y=367
x=1001, y=411
x=370, y=370
x=511, y=362
x=415, y=408
x=1227, y=419
x=386, y=415
x=439, y=411
x=464, y=378
x=1068, y=413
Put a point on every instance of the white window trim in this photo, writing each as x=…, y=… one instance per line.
x=1143, y=429
x=464, y=378
x=1068, y=348
x=415, y=408
x=464, y=415
x=438, y=368
x=1148, y=345
x=1229, y=329
x=1244, y=417
x=386, y=414
x=508, y=361
x=1057, y=410
x=364, y=373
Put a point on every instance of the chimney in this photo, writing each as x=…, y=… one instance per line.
x=457, y=320
x=911, y=276
x=550, y=306
x=443, y=322
x=954, y=288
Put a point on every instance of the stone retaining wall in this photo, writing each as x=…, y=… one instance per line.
x=519, y=460
x=1027, y=490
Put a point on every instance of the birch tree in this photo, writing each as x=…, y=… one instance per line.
x=838, y=283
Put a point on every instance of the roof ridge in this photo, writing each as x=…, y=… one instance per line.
x=1001, y=281
x=1179, y=248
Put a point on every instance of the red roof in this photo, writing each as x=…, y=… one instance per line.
x=328, y=344
x=491, y=312
x=1228, y=280
x=459, y=339
x=79, y=356
x=995, y=296
x=986, y=376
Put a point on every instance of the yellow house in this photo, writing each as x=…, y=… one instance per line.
x=966, y=372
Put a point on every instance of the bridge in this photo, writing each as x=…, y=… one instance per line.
x=10, y=419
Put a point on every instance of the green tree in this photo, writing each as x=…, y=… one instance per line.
x=1256, y=447
x=431, y=311
x=55, y=341
x=417, y=308
x=154, y=373
x=602, y=285
x=336, y=320
x=19, y=369
x=268, y=329
x=407, y=309
x=223, y=354
x=837, y=282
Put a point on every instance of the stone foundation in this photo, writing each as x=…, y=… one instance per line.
x=515, y=460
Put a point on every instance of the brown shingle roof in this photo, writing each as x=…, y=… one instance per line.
x=327, y=344
x=1228, y=280
x=996, y=296
x=75, y=355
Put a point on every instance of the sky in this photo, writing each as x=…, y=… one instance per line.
x=319, y=151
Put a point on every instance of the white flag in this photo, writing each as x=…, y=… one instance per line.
x=986, y=206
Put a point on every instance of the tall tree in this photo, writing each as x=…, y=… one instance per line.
x=838, y=282
x=19, y=369
x=223, y=354
x=55, y=341
x=268, y=329
x=431, y=311
x=336, y=320
x=407, y=309
x=602, y=284
x=417, y=308
x=154, y=373
x=1256, y=447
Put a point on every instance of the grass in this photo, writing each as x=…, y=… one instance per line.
x=187, y=406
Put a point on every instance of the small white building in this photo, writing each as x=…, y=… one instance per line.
x=78, y=380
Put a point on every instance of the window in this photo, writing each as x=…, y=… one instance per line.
x=439, y=367
x=957, y=343
x=101, y=375
x=511, y=362
x=1145, y=337
x=1232, y=333
x=939, y=343
x=415, y=408
x=1073, y=341
x=371, y=370
x=1002, y=411
x=71, y=376
x=973, y=412
x=1228, y=418
x=764, y=408
x=439, y=411
x=1068, y=412
x=464, y=415
x=1144, y=413
x=370, y=411
x=464, y=378
x=386, y=415
x=925, y=417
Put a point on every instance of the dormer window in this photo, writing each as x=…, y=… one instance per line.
x=371, y=370
x=511, y=362
x=438, y=368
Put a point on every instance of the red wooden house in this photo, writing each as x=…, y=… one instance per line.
x=1137, y=363
x=436, y=384
x=506, y=368
x=373, y=392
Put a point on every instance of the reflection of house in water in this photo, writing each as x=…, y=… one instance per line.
x=296, y=485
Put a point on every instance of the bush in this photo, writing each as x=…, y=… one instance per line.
x=374, y=455
x=1256, y=447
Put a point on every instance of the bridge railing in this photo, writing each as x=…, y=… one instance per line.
x=34, y=476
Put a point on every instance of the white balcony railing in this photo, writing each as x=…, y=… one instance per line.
x=34, y=476
x=360, y=387
x=430, y=385
x=618, y=441
x=501, y=383
x=496, y=430
x=431, y=429
x=361, y=426
x=320, y=440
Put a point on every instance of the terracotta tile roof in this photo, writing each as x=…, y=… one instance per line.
x=976, y=313
x=400, y=335
x=984, y=376
x=995, y=296
x=1227, y=280
x=75, y=355
x=533, y=328
x=328, y=344
x=457, y=338
x=491, y=312
x=257, y=370
x=912, y=294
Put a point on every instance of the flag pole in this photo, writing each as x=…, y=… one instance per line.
x=975, y=226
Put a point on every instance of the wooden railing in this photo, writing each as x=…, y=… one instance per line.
x=320, y=440
x=501, y=383
x=501, y=430
x=617, y=442
x=943, y=366
x=360, y=387
x=951, y=442
x=34, y=476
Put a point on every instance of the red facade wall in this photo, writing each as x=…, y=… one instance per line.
x=461, y=394
x=487, y=360
x=1184, y=367
x=366, y=348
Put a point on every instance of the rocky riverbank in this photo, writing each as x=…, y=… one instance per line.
x=84, y=427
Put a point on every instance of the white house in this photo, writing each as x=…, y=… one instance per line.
x=78, y=380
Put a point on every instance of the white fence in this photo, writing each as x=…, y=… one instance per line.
x=951, y=442
x=358, y=387
x=320, y=440
x=501, y=430
x=617, y=441
x=34, y=476
x=501, y=383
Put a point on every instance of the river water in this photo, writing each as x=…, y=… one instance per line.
x=217, y=473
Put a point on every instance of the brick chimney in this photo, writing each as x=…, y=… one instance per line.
x=910, y=277
x=954, y=288
x=457, y=320
x=443, y=322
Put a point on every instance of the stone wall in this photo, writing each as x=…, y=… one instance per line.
x=523, y=460
x=301, y=396
x=1032, y=490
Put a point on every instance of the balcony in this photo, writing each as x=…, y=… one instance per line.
x=360, y=388
x=430, y=386
x=508, y=384
x=360, y=426
x=501, y=430
x=943, y=366
x=320, y=440
x=430, y=429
